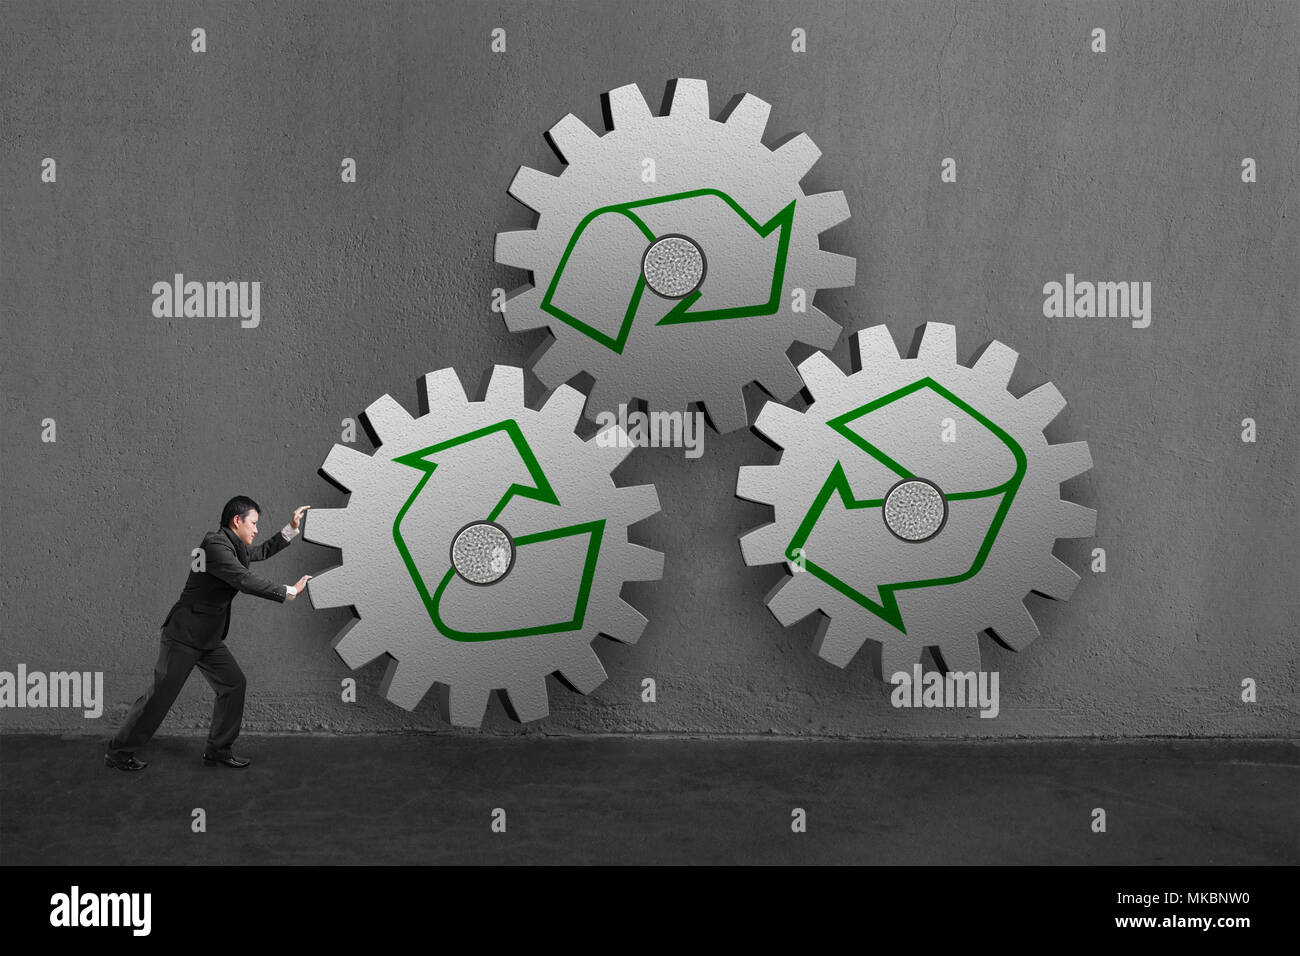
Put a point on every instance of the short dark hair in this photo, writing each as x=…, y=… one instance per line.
x=239, y=505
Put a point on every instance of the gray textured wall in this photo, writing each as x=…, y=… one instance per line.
x=225, y=166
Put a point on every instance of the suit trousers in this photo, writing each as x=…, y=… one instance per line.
x=175, y=662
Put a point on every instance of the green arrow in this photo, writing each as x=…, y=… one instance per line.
x=539, y=490
x=837, y=484
x=682, y=312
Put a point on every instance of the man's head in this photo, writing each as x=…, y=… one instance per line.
x=240, y=516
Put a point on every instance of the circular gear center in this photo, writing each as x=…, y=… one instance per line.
x=673, y=266
x=915, y=510
x=482, y=553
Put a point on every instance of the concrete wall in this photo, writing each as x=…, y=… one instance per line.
x=225, y=166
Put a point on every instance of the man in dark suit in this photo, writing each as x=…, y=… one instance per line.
x=193, y=635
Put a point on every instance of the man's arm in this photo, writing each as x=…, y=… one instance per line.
x=279, y=541
x=224, y=564
x=276, y=543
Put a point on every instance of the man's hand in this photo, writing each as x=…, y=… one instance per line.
x=297, y=517
x=297, y=588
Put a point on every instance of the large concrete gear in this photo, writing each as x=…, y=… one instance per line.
x=667, y=254
x=916, y=503
x=484, y=545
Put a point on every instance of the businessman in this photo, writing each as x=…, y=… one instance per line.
x=193, y=635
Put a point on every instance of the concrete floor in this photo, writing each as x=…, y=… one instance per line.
x=429, y=799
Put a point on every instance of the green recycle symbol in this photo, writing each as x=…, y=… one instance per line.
x=682, y=312
x=436, y=460
x=886, y=607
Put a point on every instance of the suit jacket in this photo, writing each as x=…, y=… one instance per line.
x=201, y=615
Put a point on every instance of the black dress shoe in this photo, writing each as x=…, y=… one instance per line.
x=230, y=760
x=123, y=761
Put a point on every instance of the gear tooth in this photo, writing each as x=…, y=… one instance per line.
x=534, y=188
x=763, y=545
x=571, y=138
x=444, y=388
x=727, y=413
x=1071, y=521
x=997, y=362
x=526, y=702
x=759, y=483
x=615, y=445
x=938, y=344
x=960, y=656
x=1016, y=628
x=1042, y=404
x=506, y=386
x=519, y=320
x=356, y=644
x=327, y=526
x=565, y=402
x=332, y=588
x=873, y=347
x=623, y=623
x=553, y=364
x=1069, y=459
x=643, y=564
x=818, y=330
x=463, y=705
x=405, y=683
x=797, y=155
x=521, y=248
x=834, y=271
x=690, y=99
x=602, y=398
x=837, y=644
x=748, y=118
x=627, y=107
x=782, y=380
x=347, y=467
x=888, y=657
x=522, y=310
x=790, y=600
x=387, y=418
x=826, y=210
x=822, y=376
x=775, y=421
x=638, y=502
x=1056, y=580
x=584, y=673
